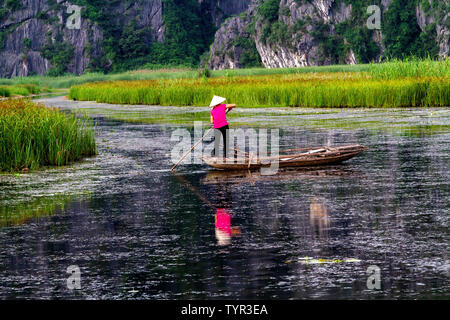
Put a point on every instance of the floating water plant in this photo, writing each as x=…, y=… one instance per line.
x=309, y=260
x=39, y=207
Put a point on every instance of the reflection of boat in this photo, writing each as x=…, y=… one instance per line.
x=239, y=176
x=297, y=158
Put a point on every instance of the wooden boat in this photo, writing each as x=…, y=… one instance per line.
x=303, y=157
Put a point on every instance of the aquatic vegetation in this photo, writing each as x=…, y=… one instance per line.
x=5, y=91
x=32, y=136
x=67, y=81
x=410, y=83
x=310, y=260
x=40, y=207
x=338, y=89
x=413, y=121
x=394, y=68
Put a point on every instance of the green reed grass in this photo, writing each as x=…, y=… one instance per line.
x=395, y=69
x=32, y=136
x=389, y=70
x=295, y=90
x=5, y=92
x=26, y=89
x=180, y=73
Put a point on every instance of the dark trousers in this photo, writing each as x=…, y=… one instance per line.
x=217, y=133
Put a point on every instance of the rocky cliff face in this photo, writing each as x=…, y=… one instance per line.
x=35, y=23
x=231, y=40
x=301, y=48
x=307, y=33
x=291, y=45
x=27, y=26
x=440, y=24
x=35, y=35
x=219, y=10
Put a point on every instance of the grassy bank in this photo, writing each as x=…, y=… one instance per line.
x=32, y=136
x=180, y=72
x=169, y=73
x=25, y=89
x=394, y=84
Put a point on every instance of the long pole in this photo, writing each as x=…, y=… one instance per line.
x=194, y=190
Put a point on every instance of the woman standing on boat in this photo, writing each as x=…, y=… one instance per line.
x=219, y=119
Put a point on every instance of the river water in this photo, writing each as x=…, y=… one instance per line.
x=137, y=231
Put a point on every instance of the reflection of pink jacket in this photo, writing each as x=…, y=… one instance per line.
x=223, y=221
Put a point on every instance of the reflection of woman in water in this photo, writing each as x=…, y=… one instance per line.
x=223, y=227
x=318, y=217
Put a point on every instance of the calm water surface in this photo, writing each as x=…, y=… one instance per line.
x=137, y=231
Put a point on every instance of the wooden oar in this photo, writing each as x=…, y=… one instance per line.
x=196, y=144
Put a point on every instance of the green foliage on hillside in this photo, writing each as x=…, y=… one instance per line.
x=132, y=47
x=7, y=7
x=3, y=13
x=13, y=5
x=101, y=13
x=59, y=53
x=188, y=35
x=332, y=45
x=401, y=32
x=269, y=10
x=3, y=10
x=249, y=57
x=403, y=36
x=355, y=33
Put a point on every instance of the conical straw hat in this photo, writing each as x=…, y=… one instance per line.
x=216, y=100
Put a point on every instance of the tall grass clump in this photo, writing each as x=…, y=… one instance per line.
x=32, y=136
x=5, y=92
